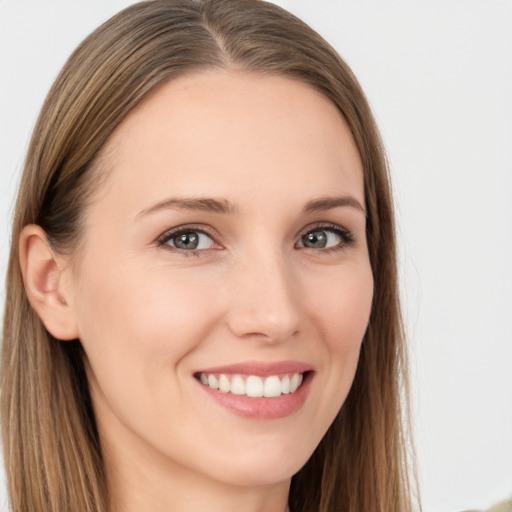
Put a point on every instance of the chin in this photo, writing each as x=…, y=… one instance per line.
x=276, y=467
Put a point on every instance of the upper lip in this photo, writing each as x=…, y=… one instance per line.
x=260, y=368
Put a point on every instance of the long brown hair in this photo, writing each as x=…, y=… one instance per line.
x=52, y=450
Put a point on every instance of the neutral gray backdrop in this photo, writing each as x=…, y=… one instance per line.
x=439, y=76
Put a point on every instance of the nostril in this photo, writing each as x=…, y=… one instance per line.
x=265, y=304
x=270, y=327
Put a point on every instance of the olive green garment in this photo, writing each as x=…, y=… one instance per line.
x=503, y=506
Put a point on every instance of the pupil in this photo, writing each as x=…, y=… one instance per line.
x=316, y=239
x=187, y=241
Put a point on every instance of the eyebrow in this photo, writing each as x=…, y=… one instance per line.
x=206, y=204
x=329, y=203
x=209, y=204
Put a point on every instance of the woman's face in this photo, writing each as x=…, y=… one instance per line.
x=225, y=247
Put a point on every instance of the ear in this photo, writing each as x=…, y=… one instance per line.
x=47, y=279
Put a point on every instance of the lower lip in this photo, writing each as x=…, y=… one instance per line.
x=263, y=408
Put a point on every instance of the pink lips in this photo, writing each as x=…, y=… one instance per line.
x=261, y=369
x=262, y=407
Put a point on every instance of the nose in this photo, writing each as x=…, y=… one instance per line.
x=265, y=301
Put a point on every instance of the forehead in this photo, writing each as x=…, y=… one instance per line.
x=225, y=133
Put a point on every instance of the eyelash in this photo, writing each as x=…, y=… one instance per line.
x=181, y=230
x=347, y=238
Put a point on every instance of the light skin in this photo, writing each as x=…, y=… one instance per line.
x=263, y=172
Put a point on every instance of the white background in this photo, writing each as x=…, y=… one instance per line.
x=439, y=77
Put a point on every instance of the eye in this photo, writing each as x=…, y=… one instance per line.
x=188, y=239
x=326, y=237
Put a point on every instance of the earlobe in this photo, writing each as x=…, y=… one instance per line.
x=45, y=283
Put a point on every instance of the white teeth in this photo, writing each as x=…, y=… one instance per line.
x=285, y=385
x=213, y=382
x=238, y=386
x=272, y=387
x=295, y=382
x=253, y=386
x=224, y=385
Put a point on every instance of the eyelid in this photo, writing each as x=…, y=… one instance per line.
x=199, y=228
x=348, y=237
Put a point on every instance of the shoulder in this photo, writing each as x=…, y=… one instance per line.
x=502, y=506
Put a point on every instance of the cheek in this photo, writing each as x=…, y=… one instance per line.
x=137, y=329
x=136, y=326
x=344, y=308
x=143, y=305
x=342, y=315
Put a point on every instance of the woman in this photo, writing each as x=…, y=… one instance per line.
x=203, y=307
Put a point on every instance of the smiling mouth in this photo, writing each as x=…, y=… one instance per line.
x=253, y=386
